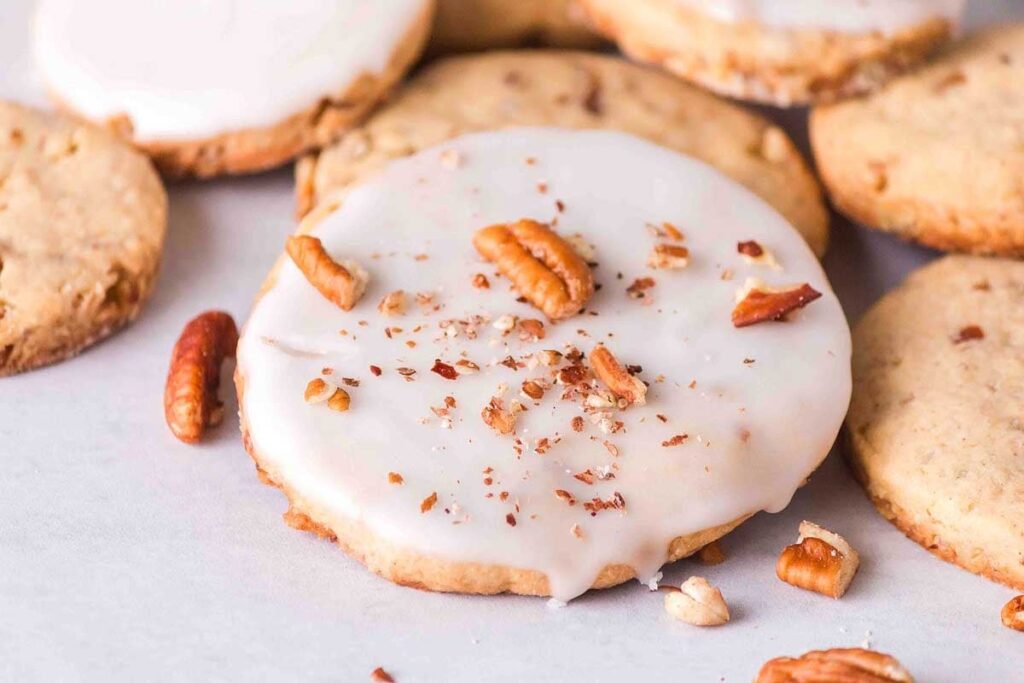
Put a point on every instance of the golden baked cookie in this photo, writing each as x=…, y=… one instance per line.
x=82, y=222
x=938, y=155
x=256, y=85
x=936, y=424
x=781, y=52
x=575, y=90
x=463, y=25
x=515, y=361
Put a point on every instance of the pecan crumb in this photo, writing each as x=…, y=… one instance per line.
x=675, y=440
x=395, y=478
x=750, y=248
x=577, y=424
x=564, y=495
x=444, y=370
x=428, y=503
x=379, y=675
x=510, y=519
x=375, y=370
x=969, y=333
x=480, y=281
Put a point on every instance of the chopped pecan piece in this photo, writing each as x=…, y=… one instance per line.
x=445, y=370
x=342, y=284
x=624, y=385
x=760, y=305
x=969, y=333
x=821, y=561
x=1013, y=614
x=668, y=257
x=393, y=303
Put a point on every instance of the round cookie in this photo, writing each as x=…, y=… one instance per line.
x=463, y=25
x=481, y=446
x=82, y=222
x=936, y=424
x=227, y=87
x=781, y=52
x=938, y=155
x=575, y=90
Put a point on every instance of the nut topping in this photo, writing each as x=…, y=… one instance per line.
x=821, y=561
x=624, y=385
x=542, y=266
x=969, y=333
x=497, y=418
x=393, y=303
x=852, y=665
x=1013, y=614
x=760, y=304
x=190, y=395
x=697, y=602
x=342, y=284
x=668, y=257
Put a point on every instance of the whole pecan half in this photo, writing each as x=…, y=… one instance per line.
x=542, y=266
x=852, y=665
x=190, y=395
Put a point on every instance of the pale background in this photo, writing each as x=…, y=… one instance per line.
x=127, y=555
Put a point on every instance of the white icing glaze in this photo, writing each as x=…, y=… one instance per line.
x=791, y=399
x=850, y=16
x=190, y=69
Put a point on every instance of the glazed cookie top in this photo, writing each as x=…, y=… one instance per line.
x=848, y=16
x=479, y=429
x=190, y=70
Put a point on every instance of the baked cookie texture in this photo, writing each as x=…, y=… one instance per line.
x=573, y=90
x=936, y=426
x=937, y=156
x=82, y=222
x=464, y=25
x=252, y=150
x=751, y=61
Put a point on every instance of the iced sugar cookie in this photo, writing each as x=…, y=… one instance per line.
x=575, y=90
x=540, y=360
x=936, y=423
x=938, y=155
x=211, y=88
x=82, y=222
x=781, y=52
x=486, y=24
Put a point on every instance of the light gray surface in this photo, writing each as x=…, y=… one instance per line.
x=125, y=555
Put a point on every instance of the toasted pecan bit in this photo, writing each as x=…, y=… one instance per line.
x=676, y=440
x=668, y=257
x=531, y=329
x=510, y=519
x=393, y=303
x=638, y=290
x=624, y=385
x=697, y=602
x=760, y=305
x=672, y=232
x=428, y=503
x=576, y=531
x=466, y=367
x=969, y=333
x=445, y=370
x=711, y=554
x=480, y=281
x=542, y=266
x=750, y=248
x=342, y=284
x=375, y=370
x=318, y=390
x=1013, y=614
x=497, y=418
x=339, y=400
x=564, y=495
x=854, y=665
x=190, y=395
x=573, y=374
x=577, y=424
x=395, y=478
x=533, y=390
x=595, y=505
x=820, y=561
x=379, y=675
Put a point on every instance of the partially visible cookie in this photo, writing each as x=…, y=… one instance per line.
x=781, y=52
x=573, y=90
x=937, y=156
x=937, y=419
x=463, y=25
x=223, y=88
x=82, y=222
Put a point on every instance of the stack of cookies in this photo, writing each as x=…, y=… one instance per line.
x=549, y=314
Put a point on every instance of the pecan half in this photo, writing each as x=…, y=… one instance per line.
x=190, y=395
x=820, y=561
x=697, y=602
x=1013, y=614
x=542, y=266
x=342, y=284
x=759, y=304
x=829, y=666
x=624, y=385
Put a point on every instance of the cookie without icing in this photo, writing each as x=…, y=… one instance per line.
x=431, y=476
x=781, y=52
x=463, y=25
x=937, y=419
x=573, y=90
x=227, y=87
x=82, y=222
x=937, y=156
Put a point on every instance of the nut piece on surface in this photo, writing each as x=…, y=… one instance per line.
x=697, y=602
x=342, y=284
x=758, y=303
x=668, y=257
x=542, y=266
x=624, y=385
x=190, y=395
x=393, y=303
x=1013, y=614
x=821, y=561
x=852, y=665
x=379, y=675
